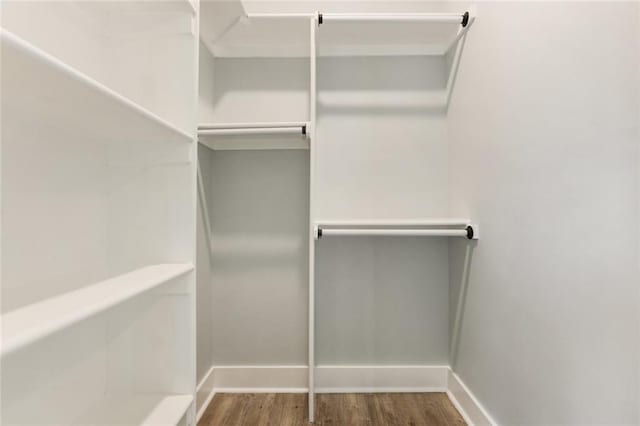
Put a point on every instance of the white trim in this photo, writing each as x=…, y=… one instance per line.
x=204, y=394
x=380, y=378
x=313, y=54
x=466, y=403
x=260, y=378
x=342, y=379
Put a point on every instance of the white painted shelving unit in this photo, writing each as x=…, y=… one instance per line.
x=237, y=35
x=98, y=212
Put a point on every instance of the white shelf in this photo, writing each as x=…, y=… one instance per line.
x=33, y=322
x=273, y=35
x=386, y=35
x=37, y=87
x=254, y=136
x=142, y=410
x=169, y=411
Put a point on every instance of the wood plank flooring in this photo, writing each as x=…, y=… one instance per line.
x=290, y=409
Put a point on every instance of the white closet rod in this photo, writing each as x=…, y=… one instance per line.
x=302, y=131
x=253, y=129
x=465, y=230
x=445, y=18
x=394, y=232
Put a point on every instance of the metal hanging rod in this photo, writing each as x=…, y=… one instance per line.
x=447, y=18
x=469, y=231
x=252, y=129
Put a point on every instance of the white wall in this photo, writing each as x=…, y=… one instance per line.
x=544, y=155
x=381, y=300
x=259, y=221
x=259, y=215
x=204, y=292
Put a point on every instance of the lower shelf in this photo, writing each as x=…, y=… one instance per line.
x=36, y=321
x=169, y=411
x=139, y=410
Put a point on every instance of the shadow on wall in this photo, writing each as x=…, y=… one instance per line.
x=459, y=273
x=396, y=85
x=256, y=80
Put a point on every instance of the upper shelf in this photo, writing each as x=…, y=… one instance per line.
x=34, y=322
x=388, y=34
x=340, y=34
x=37, y=87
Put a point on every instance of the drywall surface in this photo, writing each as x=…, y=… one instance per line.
x=204, y=291
x=381, y=153
x=258, y=206
x=206, y=93
x=204, y=298
x=260, y=90
x=381, y=301
x=260, y=231
x=544, y=139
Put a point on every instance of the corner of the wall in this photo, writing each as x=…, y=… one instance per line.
x=204, y=393
x=473, y=413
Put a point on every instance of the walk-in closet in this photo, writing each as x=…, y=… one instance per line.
x=238, y=212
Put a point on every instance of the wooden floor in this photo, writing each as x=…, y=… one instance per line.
x=290, y=409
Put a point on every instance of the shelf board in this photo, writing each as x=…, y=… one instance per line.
x=169, y=410
x=38, y=88
x=31, y=323
x=385, y=38
x=253, y=139
x=263, y=36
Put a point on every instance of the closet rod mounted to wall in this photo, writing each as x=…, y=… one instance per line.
x=252, y=128
x=445, y=18
x=400, y=228
x=467, y=232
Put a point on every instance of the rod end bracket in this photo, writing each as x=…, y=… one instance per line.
x=465, y=19
x=472, y=232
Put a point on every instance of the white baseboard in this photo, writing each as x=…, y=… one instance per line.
x=466, y=403
x=342, y=379
x=260, y=378
x=380, y=378
x=204, y=394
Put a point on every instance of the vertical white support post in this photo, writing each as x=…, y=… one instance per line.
x=193, y=346
x=313, y=25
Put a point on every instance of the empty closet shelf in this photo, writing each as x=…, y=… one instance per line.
x=239, y=136
x=418, y=228
x=45, y=92
x=31, y=323
x=394, y=34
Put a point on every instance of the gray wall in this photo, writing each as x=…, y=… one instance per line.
x=381, y=154
x=544, y=154
x=260, y=228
